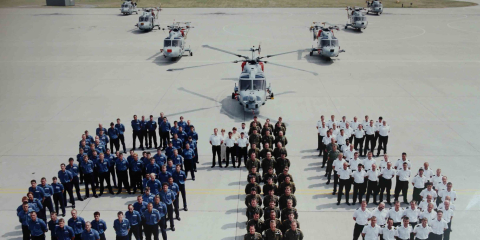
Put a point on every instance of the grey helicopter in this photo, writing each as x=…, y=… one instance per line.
x=375, y=6
x=327, y=43
x=253, y=89
x=149, y=19
x=356, y=18
x=128, y=7
x=174, y=44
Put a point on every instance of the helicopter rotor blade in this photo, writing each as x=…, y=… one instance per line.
x=224, y=51
x=278, y=54
x=197, y=66
x=298, y=69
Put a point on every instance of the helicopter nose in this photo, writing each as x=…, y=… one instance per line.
x=169, y=50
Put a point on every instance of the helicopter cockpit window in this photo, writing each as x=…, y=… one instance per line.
x=359, y=19
x=140, y=19
x=167, y=43
x=258, y=84
x=376, y=4
x=175, y=43
x=334, y=42
x=325, y=43
x=245, y=84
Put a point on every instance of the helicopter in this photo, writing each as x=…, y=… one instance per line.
x=128, y=7
x=356, y=18
x=148, y=20
x=174, y=44
x=375, y=7
x=327, y=43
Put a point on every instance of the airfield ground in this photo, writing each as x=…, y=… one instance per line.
x=66, y=70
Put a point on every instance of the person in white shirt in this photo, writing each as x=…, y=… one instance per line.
x=428, y=191
x=359, y=138
x=369, y=161
x=244, y=130
x=418, y=183
x=421, y=231
x=442, y=205
x=325, y=141
x=372, y=184
x=371, y=231
x=322, y=132
x=404, y=231
x=403, y=175
x=230, y=151
x=365, y=122
x=331, y=122
x=396, y=214
x=349, y=132
x=437, y=178
x=337, y=165
x=341, y=123
x=427, y=172
x=385, y=178
x=348, y=150
x=216, y=141
x=381, y=213
x=440, y=187
x=383, y=131
x=341, y=140
x=242, y=149
x=361, y=216
x=448, y=192
x=369, y=138
x=223, y=148
x=439, y=226
x=448, y=217
x=344, y=175
x=399, y=163
x=388, y=232
x=358, y=183
x=383, y=163
x=426, y=201
x=412, y=212
x=429, y=213
x=335, y=130
x=354, y=124
x=354, y=162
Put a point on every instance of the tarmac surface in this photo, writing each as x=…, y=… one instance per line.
x=66, y=70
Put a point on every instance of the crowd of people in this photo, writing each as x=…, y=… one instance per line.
x=429, y=213
x=262, y=147
x=160, y=180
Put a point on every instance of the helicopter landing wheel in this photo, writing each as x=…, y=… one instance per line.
x=345, y=26
x=233, y=95
x=379, y=13
x=191, y=54
x=311, y=53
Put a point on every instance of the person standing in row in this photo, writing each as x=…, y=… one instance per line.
x=151, y=129
x=164, y=131
x=167, y=197
x=369, y=138
x=152, y=220
x=361, y=216
x=104, y=174
x=344, y=175
x=121, y=226
x=121, y=131
x=77, y=223
x=403, y=175
x=113, y=134
x=216, y=141
x=383, y=132
x=137, y=132
x=66, y=178
x=385, y=183
x=58, y=190
x=99, y=225
x=242, y=149
x=122, y=166
x=359, y=138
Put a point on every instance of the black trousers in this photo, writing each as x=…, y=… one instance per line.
x=135, y=135
x=184, y=194
x=369, y=143
x=105, y=177
x=335, y=180
x=433, y=236
x=121, y=137
x=446, y=234
x=89, y=181
x=69, y=190
x=350, y=139
x=230, y=152
x=80, y=172
x=416, y=194
x=344, y=183
x=144, y=138
x=151, y=230
x=111, y=170
x=164, y=139
x=189, y=167
x=382, y=144
x=163, y=227
x=385, y=184
x=402, y=186
x=114, y=143
x=117, y=237
x=48, y=203
x=170, y=215
x=136, y=181
x=372, y=189
x=25, y=232
x=175, y=206
x=58, y=198
x=358, y=190
x=123, y=180
x=359, y=144
x=216, y=150
x=242, y=152
x=41, y=237
x=319, y=145
x=357, y=231
x=325, y=157
x=329, y=170
x=79, y=236
x=152, y=134
x=76, y=184
x=135, y=230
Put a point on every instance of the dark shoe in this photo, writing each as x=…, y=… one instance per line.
x=130, y=193
x=95, y=195
x=375, y=202
x=198, y=162
x=338, y=203
x=333, y=193
x=173, y=229
x=328, y=182
x=213, y=166
x=80, y=199
x=406, y=203
x=73, y=206
x=354, y=203
x=112, y=193
x=63, y=215
x=389, y=203
x=99, y=195
x=195, y=170
x=118, y=193
x=226, y=166
x=325, y=175
x=323, y=167
x=185, y=209
x=220, y=166
x=193, y=179
x=81, y=182
x=178, y=218
x=348, y=203
x=85, y=198
x=378, y=155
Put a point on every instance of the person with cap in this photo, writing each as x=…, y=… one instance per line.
x=89, y=233
x=359, y=183
x=372, y=230
x=361, y=216
x=77, y=223
x=99, y=225
x=121, y=227
x=252, y=234
x=216, y=141
x=135, y=220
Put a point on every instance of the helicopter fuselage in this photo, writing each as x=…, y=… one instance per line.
x=375, y=7
x=128, y=8
x=357, y=20
x=252, y=91
x=147, y=21
x=328, y=45
x=174, y=45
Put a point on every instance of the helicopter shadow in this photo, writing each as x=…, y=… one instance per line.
x=160, y=60
x=319, y=60
x=352, y=30
x=138, y=31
